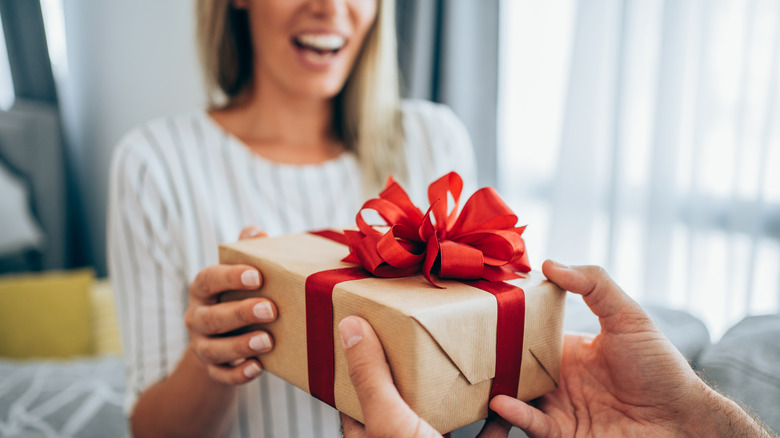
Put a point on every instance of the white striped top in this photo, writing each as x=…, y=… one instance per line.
x=180, y=186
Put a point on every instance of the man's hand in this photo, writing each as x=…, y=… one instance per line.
x=629, y=380
x=385, y=412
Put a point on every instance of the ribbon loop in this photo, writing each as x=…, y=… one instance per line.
x=460, y=261
x=480, y=242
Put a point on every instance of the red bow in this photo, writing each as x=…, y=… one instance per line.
x=481, y=243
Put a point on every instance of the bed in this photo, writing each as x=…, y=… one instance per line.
x=75, y=398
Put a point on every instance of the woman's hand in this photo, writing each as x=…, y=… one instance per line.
x=229, y=359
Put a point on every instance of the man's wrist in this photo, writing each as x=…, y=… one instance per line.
x=718, y=416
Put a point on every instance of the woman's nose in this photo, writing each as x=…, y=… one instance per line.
x=327, y=7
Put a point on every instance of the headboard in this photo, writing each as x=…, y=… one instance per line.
x=31, y=146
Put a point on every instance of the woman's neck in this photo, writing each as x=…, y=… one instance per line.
x=283, y=128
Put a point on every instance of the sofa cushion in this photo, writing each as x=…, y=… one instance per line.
x=46, y=314
x=745, y=365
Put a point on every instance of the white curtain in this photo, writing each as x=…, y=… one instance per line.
x=644, y=136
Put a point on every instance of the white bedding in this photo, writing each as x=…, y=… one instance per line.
x=77, y=398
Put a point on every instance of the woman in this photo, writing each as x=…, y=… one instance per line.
x=305, y=122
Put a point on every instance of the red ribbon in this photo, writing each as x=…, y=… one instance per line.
x=319, y=327
x=510, y=328
x=480, y=244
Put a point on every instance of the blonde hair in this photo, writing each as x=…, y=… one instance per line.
x=367, y=115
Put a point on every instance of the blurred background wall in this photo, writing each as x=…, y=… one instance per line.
x=125, y=63
x=115, y=65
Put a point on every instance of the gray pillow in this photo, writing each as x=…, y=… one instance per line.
x=20, y=231
x=745, y=365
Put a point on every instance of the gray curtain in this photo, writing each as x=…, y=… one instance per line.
x=31, y=134
x=448, y=53
x=28, y=55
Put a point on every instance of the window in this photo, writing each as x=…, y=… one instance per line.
x=644, y=136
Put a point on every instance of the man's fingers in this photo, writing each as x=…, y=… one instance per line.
x=251, y=232
x=532, y=421
x=495, y=427
x=369, y=371
x=384, y=411
x=351, y=427
x=601, y=294
x=216, y=279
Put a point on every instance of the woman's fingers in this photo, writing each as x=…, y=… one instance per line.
x=251, y=232
x=228, y=358
x=235, y=374
x=532, y=421
x=216, y=279
x=217, y=319
x=226, y=350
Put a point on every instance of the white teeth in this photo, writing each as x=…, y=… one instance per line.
x=317, y=57
x=322, y=42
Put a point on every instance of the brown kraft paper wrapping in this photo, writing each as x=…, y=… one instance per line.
x=440, y=343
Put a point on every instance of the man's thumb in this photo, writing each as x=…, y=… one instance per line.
x=368, y=369
x=601, y=294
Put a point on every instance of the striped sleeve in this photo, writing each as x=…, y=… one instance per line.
x=145, y=263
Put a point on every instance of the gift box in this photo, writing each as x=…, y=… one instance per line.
x=451, y=343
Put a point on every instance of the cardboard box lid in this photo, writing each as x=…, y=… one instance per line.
x=478, y=363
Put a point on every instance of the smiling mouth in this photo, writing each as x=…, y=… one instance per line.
x=321, y=45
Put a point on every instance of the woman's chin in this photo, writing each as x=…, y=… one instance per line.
x=318, y=89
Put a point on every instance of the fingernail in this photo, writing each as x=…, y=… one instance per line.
x=263, y=311
x=350, y=331
x=238, y=361
x=252, y=370
x=250, y=278
x=260, y=342
x=559, y=265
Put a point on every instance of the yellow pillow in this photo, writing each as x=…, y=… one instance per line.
x=46, y=314
x=105, y=326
